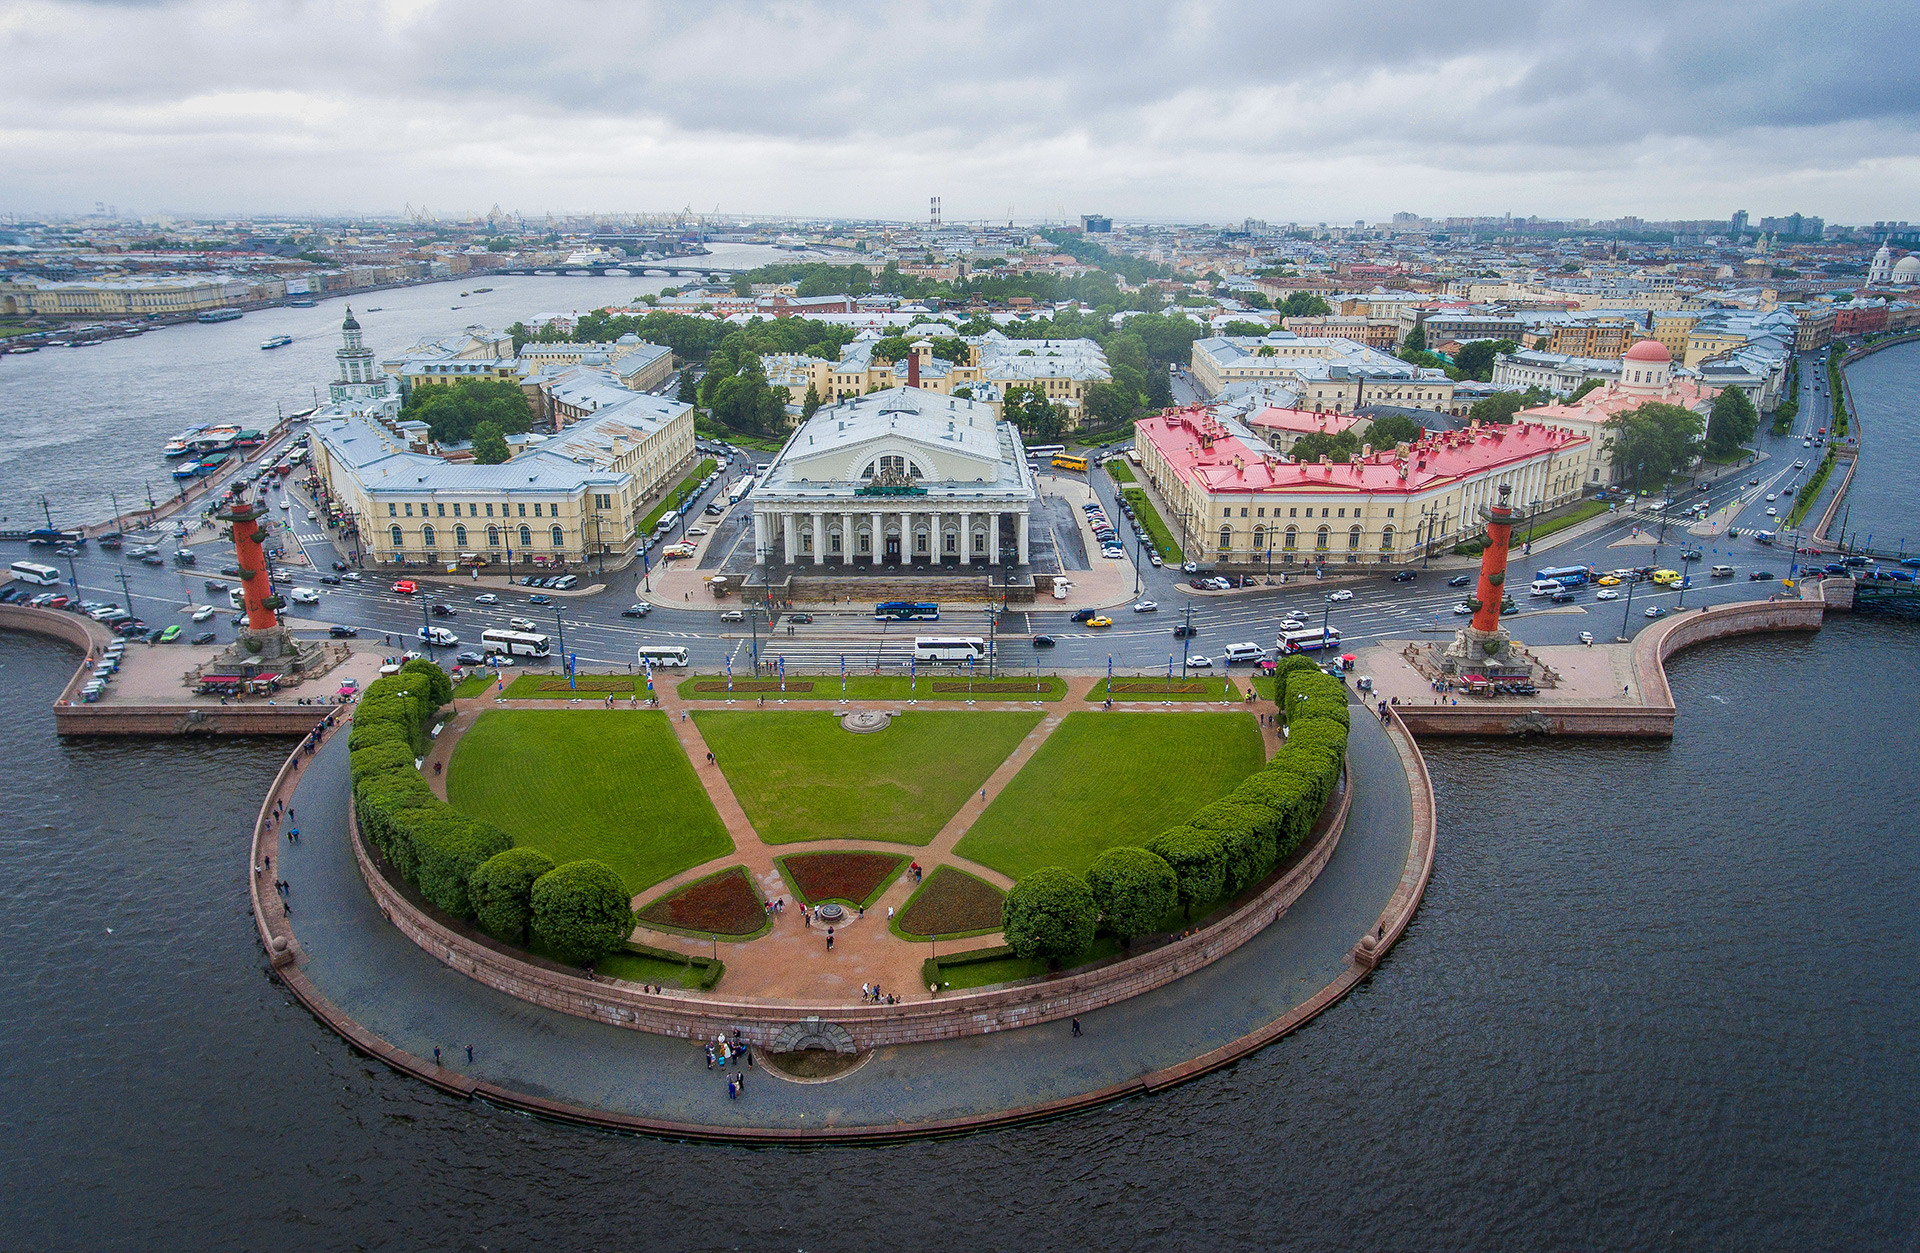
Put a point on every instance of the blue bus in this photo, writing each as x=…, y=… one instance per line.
x=905, y=611
x=1565, y=576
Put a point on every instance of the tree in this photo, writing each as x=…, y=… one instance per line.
x=1317, y=444
x=1584, y=388
x=1304, y=304
x=1654, y=440
x=437, y=690
x=1416, y=340
x=1107, y=404
x=892, y=348
x=1732, y=421
x=452, y=410
x=1133, y=889
x=1199, y=863
x=581, y=910
x=689, y=393
x=952, y=348
x=489, y=445
x=1029, y=409
x=1500, y=409
x=811, y=403
x=1394, y=428
x=1475, y=358
x=501, y=888
x=1050, y=914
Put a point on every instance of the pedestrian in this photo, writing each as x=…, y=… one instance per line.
x=889, y=914
x=294, y=835
x=749, y=1053
x=709, y=1057
x=733, y=1094
x=469, y=1054
x=1076, y=1028
x=829, y=939
x=983, y=793
x=436, y=1054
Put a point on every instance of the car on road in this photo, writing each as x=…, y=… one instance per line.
x=1799, y=465
x=1156, y=560
x=1184, y=632
x=799, y=619
x=66, y=550
x=1691, y=554
x=1460, y=580
x=1190, y=567
x=1293, y=622
x=1759, y=575
x=1196, y=662
x=1463, y=609
x=1084, y=615
x=486, y=598
x=405, y=587
x=1773, y=513
x=523, y=624
x=1342, y=594
x=733, y=615
x=1606, y=593
x=153, y=559
x=351, y=576
x=171, y=634
x=304, y=596
x=638, y=610
x=1753, y=482
x=696, y=530
x=1608, y=580
x=538, y=599
x=205, y=637
x=1655, y=611
x=340, y=565
x=1101, y=621
x=1406, y=576
x=437, y=636
x=203, y=613
x=331, y=580
x=443, y=611
x=1145, y=606
x=471, y=658
x=1586, y=637
x=1043, y=641
x=1773, y=496
x=341, y=632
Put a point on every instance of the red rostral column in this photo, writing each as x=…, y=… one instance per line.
x=254, y=587
x=1493, y=564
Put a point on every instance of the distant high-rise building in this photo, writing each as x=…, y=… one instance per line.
x=934, y=215
x=1738, y=222
x=1096, y=223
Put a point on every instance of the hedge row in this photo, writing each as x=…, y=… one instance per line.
x=461, y=864
x=1225, y=847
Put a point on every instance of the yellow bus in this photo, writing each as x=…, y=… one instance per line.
x=1063, y=462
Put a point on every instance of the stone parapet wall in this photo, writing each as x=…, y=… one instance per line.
x=947, y=1017
x=183, y=719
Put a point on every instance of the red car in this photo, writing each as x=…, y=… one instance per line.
x=405, y=587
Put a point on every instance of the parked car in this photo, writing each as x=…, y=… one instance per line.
x=1195, y=661
x=205, y=637
x=171, y=634
x=1156, y=560
x=339, y=632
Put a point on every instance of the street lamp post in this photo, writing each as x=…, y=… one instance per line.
x=560, y=629
x=1186, y=642
x=426, y=627
x=1626, y=618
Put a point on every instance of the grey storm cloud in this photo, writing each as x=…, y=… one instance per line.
x=1191, y=108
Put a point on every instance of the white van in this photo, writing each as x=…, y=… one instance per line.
x=439, y=637
x=1242, y=652
x=1544, y=587
x=1722, y=572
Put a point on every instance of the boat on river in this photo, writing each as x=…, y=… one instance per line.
x=181, y=444
x=278, y=341
x=220, y=315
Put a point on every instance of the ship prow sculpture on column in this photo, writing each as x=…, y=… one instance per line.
x=1483, y=646
x=265, y=644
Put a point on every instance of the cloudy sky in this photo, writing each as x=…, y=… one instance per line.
x=1203, y=110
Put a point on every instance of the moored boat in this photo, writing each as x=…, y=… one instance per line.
x=220, y=315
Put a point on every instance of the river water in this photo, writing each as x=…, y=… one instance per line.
x=1658, y=996
x=1886, y=388
x=84, y=426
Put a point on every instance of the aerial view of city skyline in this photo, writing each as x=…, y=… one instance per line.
x=793, y=625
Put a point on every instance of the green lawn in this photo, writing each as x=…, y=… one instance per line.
x=672, y=499
x=945, y=685
x=1107, y=779
x=473, y=685
x=535, y=686
x=1579, y=513
x=1151, y=523
x=802, y=776
x=573, y=783
x=1120, y=472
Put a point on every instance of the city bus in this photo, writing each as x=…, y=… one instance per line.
x=1565, y=576
x=1308, y=641
x=957, y=649
x=516, y=643
x=905, y=611
x=1063, y=462
x=663, y=655
x=1045, y=450
x=738, y=489
x=33, y=572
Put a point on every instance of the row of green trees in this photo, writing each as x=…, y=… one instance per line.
x=485, y=411
x=468, y=868
x=1224, y=848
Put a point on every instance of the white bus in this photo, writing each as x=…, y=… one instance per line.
x=953, y=648
x=1043, y=451
x=33, y=572
x=666, y=522
x=516, y=643
x=1308, y=640
x=663, y=655
x=737, y=490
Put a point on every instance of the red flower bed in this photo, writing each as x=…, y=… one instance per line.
x=951, y=902
x=850, y=877
x=726, y=903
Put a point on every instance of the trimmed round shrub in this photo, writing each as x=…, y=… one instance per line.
x=450, y=846
x=1050, y=914
x=1198, y=860
x=1291, y=796
x=581, y=911
x=1246, y=839
x=439, y=689
x=1133, y=890
x=501, y=889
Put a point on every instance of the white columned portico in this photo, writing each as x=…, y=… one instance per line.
x=759, y=538
x=879, y=523
x=790, y=537
x=819, y=538
x=966, y=537
x=1022, y=540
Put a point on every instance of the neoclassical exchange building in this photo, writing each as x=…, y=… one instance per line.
x=899, y=478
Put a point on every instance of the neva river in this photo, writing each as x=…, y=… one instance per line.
x=81, y=426
x=1880, y=504
x=1659, y=996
